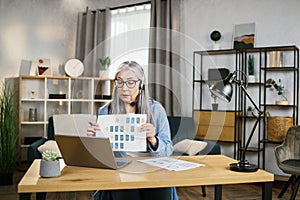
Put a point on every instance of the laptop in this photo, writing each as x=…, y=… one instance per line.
x=72, y=123
x=88, y=151
x=78, y=149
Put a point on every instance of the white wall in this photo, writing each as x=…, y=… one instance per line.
x=276, y=24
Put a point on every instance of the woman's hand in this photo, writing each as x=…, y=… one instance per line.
x=92, y=129
x=150, y=133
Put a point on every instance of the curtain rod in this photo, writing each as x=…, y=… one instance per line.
x=124, y=6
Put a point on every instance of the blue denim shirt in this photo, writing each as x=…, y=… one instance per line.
x=163, y=134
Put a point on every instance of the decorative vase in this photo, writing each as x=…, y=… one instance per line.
x=49, y=169
x=214, y=106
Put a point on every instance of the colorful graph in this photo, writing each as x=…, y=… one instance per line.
x=124, y=131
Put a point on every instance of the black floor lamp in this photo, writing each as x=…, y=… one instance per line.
x=223, y=90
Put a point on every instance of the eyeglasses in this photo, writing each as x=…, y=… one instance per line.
x=130, y=84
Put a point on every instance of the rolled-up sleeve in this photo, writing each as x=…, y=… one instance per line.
x=163, y=134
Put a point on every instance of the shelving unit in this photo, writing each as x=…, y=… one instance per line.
x=288, y=72
x=219, y=125
x=285, y=67
x=51, y=95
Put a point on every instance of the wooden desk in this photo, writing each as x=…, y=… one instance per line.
x=138, y=175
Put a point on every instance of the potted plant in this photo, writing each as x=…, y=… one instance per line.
x=8, y=135
x=105, y=63
x=251, y=77
x=250, y=110
x=270, y=83
x=215, y=36
x=49, y=166
x=214, y=104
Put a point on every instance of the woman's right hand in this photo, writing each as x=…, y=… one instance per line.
x=92, y=129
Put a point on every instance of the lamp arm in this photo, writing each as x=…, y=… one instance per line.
x=256, y=122
x=249, y=97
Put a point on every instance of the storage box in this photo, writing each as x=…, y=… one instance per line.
x=277, y=127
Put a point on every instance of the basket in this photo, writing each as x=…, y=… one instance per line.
x=277, y=128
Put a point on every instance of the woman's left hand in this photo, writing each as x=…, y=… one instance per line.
x=150, y=133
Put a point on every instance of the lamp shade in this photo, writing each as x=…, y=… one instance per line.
x=223, y=89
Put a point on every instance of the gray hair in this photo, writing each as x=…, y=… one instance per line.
x=142, y=103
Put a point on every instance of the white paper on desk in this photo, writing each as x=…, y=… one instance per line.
x=123, y=131
x=171, y=164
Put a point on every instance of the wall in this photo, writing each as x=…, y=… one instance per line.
x=275, y=24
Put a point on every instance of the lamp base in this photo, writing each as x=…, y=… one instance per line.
x=243, y=166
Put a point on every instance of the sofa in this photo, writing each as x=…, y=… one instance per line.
x=184, y=128
x=32, y=152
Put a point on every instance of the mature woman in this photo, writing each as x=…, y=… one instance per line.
x=131, y=95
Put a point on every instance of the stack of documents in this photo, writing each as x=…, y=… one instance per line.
x=171, y=164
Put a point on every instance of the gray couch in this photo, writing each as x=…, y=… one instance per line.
x=184, y=128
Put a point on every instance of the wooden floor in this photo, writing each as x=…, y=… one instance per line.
x=230, y=192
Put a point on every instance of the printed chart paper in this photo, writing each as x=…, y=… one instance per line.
x=124, y=131
x=171, y=164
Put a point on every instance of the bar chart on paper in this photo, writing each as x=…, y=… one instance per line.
x=124, y=131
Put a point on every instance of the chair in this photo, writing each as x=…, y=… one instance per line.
x=288, y=159
x=184, y=128
x=32, y=152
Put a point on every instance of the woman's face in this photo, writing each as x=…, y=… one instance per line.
x=130, y=90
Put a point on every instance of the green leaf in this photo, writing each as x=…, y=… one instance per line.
x=105, y=62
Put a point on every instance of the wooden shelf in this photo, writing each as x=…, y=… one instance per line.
x=267, y=141
x=72, y=101
x=251, y=149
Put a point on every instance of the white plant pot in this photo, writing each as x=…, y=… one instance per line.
x=251, y=78
x=105, y=85
x=215, y=106
x=249, y=113
x=103, y=73
x=216, y=46
x=49, y=169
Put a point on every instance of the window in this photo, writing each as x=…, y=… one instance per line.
x=130, y=34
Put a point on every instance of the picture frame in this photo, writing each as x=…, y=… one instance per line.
x=43, y=67
x=25, y=67
x=244, y=36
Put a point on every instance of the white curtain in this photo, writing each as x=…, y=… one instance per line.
x=130, y=35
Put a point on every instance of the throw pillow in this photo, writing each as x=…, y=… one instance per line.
x=190, y=147
x=49, y=145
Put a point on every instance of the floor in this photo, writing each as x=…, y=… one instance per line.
x=230, y=192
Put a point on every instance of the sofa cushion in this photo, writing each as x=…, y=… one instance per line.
x=49, y=145
x=181, y=128
x=190, y=147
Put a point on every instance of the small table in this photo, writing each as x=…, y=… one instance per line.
x=139, y=175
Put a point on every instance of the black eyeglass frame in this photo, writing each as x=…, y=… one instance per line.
x=126, y=82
